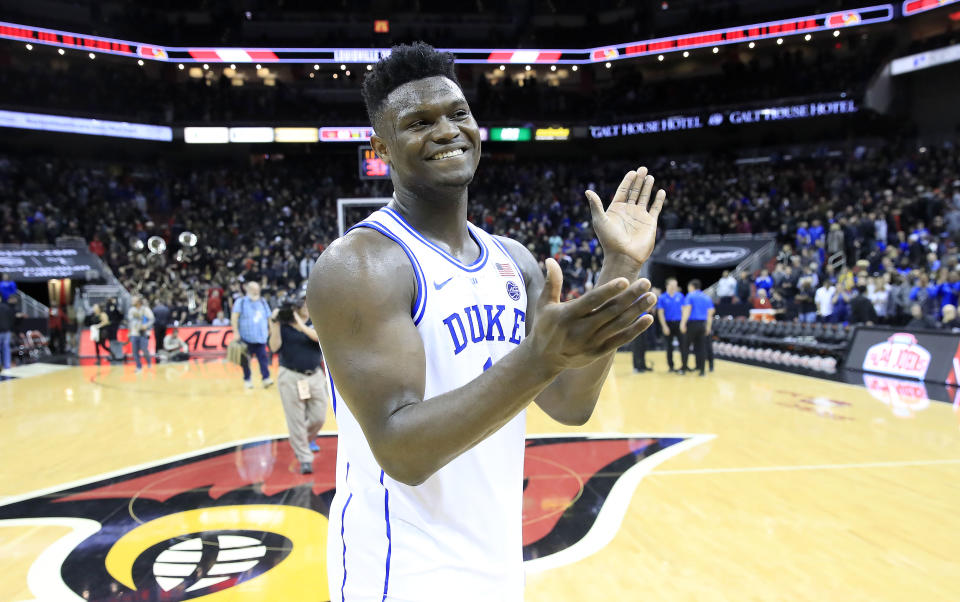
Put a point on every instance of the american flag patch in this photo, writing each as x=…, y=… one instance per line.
x=506, y=270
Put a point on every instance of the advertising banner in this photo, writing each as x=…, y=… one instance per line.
x=927, y=356
x=690, y=253
x=203, y=341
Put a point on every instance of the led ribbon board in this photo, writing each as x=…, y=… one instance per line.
x=731, y=35
x=78, y=125
x=915, y=7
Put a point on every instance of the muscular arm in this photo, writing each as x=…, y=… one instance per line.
x=572, y=396
x=360, y=296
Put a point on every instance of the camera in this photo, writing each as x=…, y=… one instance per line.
x=285, y=313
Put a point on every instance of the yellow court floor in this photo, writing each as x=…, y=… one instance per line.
x=748, y=484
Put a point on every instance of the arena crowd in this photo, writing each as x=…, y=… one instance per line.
x=879, y=224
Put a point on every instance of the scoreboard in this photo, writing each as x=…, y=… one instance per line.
x=372, y=167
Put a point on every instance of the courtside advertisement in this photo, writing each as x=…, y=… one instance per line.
x=926, y=356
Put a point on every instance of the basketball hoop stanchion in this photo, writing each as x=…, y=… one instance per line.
x=343, y=205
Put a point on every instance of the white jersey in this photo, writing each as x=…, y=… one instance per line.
x=458, y=535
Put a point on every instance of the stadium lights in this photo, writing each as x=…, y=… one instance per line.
x=343, y=67
x=258, y=66
x=526, y=68
x=347, y=73
x=369, y=67
x=751, y=44
x=180, y=66
x=60, y=51
x=779, y=41
x=316, y=67
x=553, y=67
x=232, y=66
x=575, y=67
x=336, y=75
x=502, y=68
x=311, y=76
x=686, y=53
x=608, y=65
x=836, y=33
x=715, y=50
x=205, y=66
x=29, y=46
x=140, y=62
x=660, y=57
x=92, y=56
x=807, y=37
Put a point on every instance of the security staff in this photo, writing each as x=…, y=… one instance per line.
x=669, y=313
x=301, y=380
x=696, y=321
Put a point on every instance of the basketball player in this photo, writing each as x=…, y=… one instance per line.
x=437, y=337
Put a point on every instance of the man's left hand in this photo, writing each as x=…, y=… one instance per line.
x=628, y=227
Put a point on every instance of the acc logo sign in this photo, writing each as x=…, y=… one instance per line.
x=707, y=256
x=240, y=522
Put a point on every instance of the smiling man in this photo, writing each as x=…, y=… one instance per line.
x=437, y=336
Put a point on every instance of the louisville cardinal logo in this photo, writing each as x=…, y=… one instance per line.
x=240, y=523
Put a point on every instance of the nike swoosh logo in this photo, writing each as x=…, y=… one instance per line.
x=442, y=284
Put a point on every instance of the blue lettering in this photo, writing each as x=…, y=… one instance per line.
x=518, y=318
x=459, y=343
x=494, y=320
x=475, y=335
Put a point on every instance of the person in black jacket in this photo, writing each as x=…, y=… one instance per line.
x=861, y=310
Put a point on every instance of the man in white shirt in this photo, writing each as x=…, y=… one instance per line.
x=825, y=297
x=727, y=287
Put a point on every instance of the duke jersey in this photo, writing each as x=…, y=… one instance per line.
x=457, y=536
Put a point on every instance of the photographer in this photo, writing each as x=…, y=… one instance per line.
x=301, y=377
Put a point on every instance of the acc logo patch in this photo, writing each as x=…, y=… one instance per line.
x=240, y=523
x=513, y=290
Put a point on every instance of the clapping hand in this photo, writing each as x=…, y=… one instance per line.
x=628, y=227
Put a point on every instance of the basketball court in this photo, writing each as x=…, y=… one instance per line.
x=750, y=483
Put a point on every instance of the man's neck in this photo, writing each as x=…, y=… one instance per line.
x=441, y=217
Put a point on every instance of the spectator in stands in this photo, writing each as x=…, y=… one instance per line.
x=249, y=319
x=825, y=298
x=835, y=239
x=806, y=308
x=920, y=321
x=861, y=309
x=7, y=287
x=765, y=282
x=220, y=320
x=878, y=291
x=761, y=300
x=96, y=246
x=898, y=300
x=214, y=302
x=139, y=323
x=950, y=321
x=925, y=294
x=744, y=288
x=726, y=287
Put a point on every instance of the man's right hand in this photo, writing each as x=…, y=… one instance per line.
x=577, y=333
x=666, y=330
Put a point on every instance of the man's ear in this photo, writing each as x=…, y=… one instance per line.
x=380, y=147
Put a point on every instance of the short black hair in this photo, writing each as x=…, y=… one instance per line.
x=695, y=283
x=406, y=63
